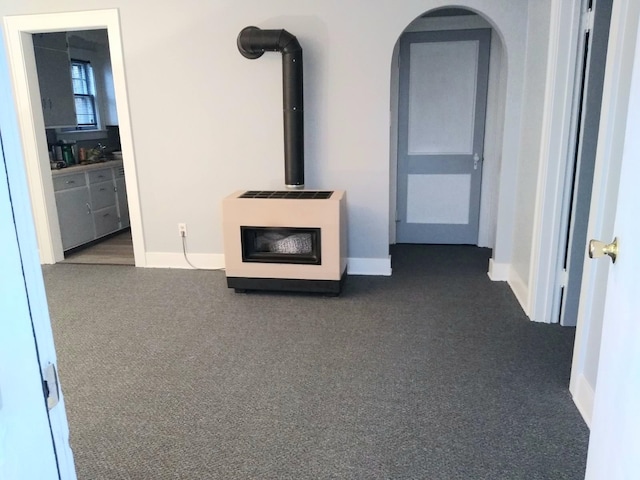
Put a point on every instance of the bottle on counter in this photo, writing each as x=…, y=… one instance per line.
x=67, y=154
x=57, y=152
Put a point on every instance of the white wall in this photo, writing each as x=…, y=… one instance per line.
x=206, y=121
x=530, y=147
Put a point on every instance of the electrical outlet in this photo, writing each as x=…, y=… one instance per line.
x=182, y=229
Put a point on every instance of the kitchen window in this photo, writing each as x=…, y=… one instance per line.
x=84, y=92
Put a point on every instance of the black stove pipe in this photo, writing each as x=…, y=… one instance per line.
x=252, y=43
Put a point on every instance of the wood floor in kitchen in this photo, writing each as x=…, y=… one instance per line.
x=115, y=250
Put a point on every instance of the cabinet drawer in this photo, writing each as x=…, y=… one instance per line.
x=106, y=221
x=102, y=175
x=63, y=182
x=102, y=195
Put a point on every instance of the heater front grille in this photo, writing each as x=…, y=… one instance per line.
x=288, y=194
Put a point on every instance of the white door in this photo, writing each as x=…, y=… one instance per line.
x=614, y=445
x=26, y=443
x=442, y=105
x=31, y=438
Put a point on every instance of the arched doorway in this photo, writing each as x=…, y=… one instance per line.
x=442, y=21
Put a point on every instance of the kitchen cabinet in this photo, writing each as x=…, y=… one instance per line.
x=103, y=201
x=91, y=203
x=54, y=78
x=121, y=192
x=74, y=210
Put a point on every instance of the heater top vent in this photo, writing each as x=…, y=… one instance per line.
x=289, y=194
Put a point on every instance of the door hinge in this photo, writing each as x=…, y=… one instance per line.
x=587, y=21
x=50, y=384
x=563, y=278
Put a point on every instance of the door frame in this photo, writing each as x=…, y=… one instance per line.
x=21, y=59
x=556, y=145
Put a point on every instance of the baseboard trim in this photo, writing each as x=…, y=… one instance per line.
x=215, y=261
x=583, y=399
x=202, y=261
x=369, y=266
x=498, y=272
x=520, y=290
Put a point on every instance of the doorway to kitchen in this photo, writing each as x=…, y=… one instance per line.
x=19, y=32
x=81, y=125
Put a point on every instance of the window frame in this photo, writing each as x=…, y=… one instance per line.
x=90, y=87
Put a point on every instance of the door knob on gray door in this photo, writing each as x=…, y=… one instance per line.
x=599, y=249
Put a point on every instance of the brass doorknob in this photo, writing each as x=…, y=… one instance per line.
x=599, y=249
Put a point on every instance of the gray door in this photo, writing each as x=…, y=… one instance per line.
x=442, y=105
x=596, y=41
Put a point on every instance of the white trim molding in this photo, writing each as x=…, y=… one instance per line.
x=520, y=290
x=555, y=151
x=504, y=272
x=215, y=261
x=31, y=122
x=201, y=261
x=583, y=396
x=498, y=272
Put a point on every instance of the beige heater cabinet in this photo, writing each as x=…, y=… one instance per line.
x=292, y=240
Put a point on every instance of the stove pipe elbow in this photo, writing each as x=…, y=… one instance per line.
x=252, y=43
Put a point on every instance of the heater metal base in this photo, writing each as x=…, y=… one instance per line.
x=331, y=287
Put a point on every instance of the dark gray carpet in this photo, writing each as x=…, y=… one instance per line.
x=433, y=373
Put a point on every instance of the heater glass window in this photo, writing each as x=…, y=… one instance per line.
x=281, y=245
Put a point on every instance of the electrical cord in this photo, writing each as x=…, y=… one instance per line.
x=184, y=253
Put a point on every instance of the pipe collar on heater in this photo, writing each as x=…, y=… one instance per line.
x=252, y=43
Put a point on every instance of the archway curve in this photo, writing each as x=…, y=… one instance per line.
x=455, y=18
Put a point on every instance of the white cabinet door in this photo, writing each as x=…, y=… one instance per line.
x=102, y=195
x=106, y=221
x=75, y=216
x=56, y=90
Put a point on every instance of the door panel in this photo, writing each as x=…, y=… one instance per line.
x=615, y=440
x=437, y=84
x=448, y=195
x=26, y=445
x=442, y=105
x=595, y=56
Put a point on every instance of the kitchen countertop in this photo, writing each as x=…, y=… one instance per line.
x=87, y=167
